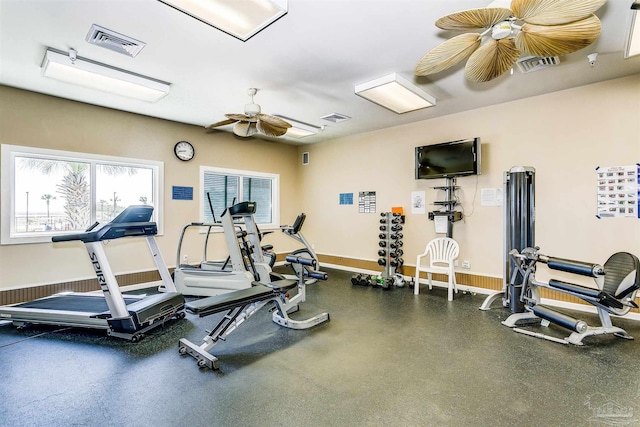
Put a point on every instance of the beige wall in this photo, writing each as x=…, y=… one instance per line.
x=36, y=120
x=564, y=135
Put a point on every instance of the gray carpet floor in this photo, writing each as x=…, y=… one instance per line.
x=386, y=358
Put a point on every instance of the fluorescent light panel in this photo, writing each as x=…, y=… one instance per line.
x=93, y=75
x=395, y=93
x=299, y=129
x=633, y=40
x=239, y=18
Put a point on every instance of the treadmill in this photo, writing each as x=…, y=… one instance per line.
x=127, y=317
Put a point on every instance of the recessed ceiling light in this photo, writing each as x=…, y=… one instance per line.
x=70, y=68
x=239, y=18
x=299, y=129
x=395, y=93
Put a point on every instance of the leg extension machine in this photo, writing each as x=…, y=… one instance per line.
x=617, y=283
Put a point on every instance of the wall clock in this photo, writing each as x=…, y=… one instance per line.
x=184, y=151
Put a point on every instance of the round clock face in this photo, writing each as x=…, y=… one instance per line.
x=184, y=151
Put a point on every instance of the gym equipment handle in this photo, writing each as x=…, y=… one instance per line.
x=575, y=267
x=560, y=319
x=317, y=275
x=301, y=260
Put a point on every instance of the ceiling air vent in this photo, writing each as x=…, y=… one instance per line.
x=335, y=117
x=529, y=64
x=111, y=40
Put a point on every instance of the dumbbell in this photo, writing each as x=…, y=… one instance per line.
x=396, y=227
x=396, y=262
x=383, y=228
x=366, y=280
x=383, y=221
x=373, y=282
x=396, y=236
x=397, y=245
x=389, y=283
x=382, y=261
x=382, y=236
x=382, y=252
x=382, y=243
x=396, y=254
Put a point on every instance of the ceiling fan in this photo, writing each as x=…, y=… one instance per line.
x=253, y=121
x=533, y=27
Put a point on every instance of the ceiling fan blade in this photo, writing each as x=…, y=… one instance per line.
x=274, y=121
x=448, y=54
x=542, y=40
x=491, y=60
x=270, y=130
x=221, y=123
x=241, y=118
x=473, y=19
x=554, y=12
x=245, y=129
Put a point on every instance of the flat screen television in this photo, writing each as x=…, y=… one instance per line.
x=449, y=159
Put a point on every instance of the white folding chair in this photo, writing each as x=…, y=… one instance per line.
x=442, y=252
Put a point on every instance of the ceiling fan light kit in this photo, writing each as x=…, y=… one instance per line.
x=241, y=19
x=549, y=28
x=72, y=69
x=395, y=93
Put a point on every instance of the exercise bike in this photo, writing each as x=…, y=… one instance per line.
x=294, y=231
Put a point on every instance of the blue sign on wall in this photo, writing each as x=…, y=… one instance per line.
x=182, y=193
x=346, y=198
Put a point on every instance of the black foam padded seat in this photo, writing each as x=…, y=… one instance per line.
x=575, y=289
x=217, y=303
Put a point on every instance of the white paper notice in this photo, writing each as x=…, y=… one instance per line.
x=491, y=197
x=418, y=205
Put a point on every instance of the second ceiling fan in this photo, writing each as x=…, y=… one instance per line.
x=253, y=121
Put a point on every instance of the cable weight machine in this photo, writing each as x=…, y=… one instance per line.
x=519, y=233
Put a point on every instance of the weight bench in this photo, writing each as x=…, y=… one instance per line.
x=617, y=284
x=241, y=305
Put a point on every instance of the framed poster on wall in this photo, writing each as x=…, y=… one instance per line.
x=618, y=191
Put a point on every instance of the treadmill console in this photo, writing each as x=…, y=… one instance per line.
x=133, y=221
x=242, y=208
x=134, y=213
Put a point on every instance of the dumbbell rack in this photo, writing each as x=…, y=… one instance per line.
x=389, y=252
x=390, y=243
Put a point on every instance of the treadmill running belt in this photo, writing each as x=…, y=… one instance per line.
x=89, y=304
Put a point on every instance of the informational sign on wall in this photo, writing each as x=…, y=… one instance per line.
x=618, y=191
x=346, y=198
x=181, y=193
x=418, y=204
x=367, y=202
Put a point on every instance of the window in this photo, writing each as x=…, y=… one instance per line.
x=220, y=187
x=46, y=192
